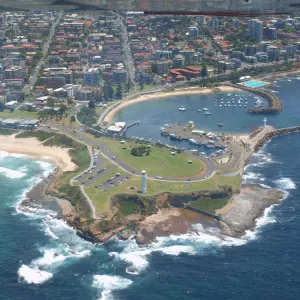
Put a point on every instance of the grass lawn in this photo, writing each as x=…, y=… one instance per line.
x=101, y=199
x=6, y=131
x=209, y=205
x=40, y=135
x=160, y=162
x=17, y=114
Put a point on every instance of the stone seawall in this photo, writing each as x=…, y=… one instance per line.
x=274, y=133
x=275, y=104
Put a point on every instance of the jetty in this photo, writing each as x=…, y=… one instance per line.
x=275, y=103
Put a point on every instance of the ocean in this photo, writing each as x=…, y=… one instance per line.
x=43, y=258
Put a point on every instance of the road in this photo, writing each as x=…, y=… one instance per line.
x=209, y=166
x=33, y=77
x=127, y=52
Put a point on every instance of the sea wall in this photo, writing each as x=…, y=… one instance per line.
x=274, y=133
x=275, y=104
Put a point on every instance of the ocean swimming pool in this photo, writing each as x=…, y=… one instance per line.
x=254, y=83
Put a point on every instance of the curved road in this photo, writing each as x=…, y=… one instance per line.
x=209, y=165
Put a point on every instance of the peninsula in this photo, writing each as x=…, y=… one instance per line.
x=103, y=196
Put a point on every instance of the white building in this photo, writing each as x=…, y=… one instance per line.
x=118, y=127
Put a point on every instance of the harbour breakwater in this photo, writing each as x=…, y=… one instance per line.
x=275, y=104
x=274, y=133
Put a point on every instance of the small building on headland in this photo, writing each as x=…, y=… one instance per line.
x=117, y=128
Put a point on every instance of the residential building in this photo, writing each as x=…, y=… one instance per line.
x=273, y=53
x=270, y=33
x=92, y=77
x=119, y=76
x=178, y=61
x=202, y=20
x=238, y=54
x=193, y=32
x=250, y=50
x=236, y=22
x=261, y=56
x=162, y=67
x=291, y=49
x=255, y=27
x=213, y=22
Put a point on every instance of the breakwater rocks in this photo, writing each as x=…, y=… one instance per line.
x=275, y=133
x=275, y=104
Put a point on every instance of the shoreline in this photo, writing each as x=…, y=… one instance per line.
x=34, y=148
x=160, y=95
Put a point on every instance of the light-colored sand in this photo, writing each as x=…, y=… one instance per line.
x=33, y=147
x=159, y=95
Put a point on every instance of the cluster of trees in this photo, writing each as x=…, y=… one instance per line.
x=60, y=113
x=142, y=150
x=87, y=116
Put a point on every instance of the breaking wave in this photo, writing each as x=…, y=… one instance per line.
x=11, y=173
x=110, y=283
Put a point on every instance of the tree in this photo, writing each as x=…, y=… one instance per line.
x=50, y=102
x=62, y=109
x=204, y=71
x=99, y=97
x=2, y=106
x=142, y=83
x=119, y=92
x=110, y=91
x=91, y=104
x=128, y=85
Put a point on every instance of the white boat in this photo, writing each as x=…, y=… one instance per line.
x=225, y=105
x=234, y=105
x=228, y=95
x=204, y=109
x=232, y=101
x=199, y=110
x=193, y=141
x=220, y=105
x=207, y=113
x=228, y=105
x=181, y=108
x=240, y=105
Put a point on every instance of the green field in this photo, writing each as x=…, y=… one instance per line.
x=160, y=162
x=40, y=135
x=17, y=114
x=101, y=199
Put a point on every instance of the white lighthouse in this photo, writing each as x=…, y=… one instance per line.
x=265, y=122
x=144, y=182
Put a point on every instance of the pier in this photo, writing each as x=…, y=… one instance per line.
x=128, y=126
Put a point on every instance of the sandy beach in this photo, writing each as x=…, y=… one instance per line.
x=159, y=95
x=33, y=147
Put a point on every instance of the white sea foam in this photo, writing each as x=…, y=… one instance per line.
x=33, y=276
x=3, y=154
x=11, y=173
x=285, y=184
x=110, y=283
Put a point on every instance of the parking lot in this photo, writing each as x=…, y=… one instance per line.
x=112, y=182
